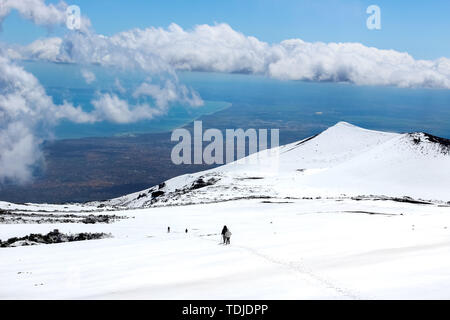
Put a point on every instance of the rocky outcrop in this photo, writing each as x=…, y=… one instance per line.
x=52, y=237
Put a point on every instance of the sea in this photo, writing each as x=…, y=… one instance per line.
x=272, y=101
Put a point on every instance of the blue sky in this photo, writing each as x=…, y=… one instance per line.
x=418, y=27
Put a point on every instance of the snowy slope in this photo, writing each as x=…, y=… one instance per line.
x=316, y=219
x=301, y=249
x=342, y=161
x=48, y=207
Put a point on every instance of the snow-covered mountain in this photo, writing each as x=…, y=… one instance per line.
x=343, y=161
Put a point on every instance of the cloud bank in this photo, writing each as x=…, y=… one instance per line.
x=25, y=108
x=219, y=48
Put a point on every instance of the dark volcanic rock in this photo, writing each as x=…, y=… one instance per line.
x=157, y=194
x=91, y=219
x=442, y=141
x=200, y=183
x=142, y=195
x=52, y=237
x=419, y=137
x=44, y=218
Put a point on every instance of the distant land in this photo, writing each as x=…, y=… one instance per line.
x=98, y=168
x=79, y=170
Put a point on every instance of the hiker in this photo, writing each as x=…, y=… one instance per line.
x=224, y=230
x=168, y=229
x=227, y=236
x=186, y=230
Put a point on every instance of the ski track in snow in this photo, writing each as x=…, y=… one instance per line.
x=302, y=270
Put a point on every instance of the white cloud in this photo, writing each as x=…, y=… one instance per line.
x=356, y=63
x=110, y=107
x=43, y=49
x=34, y=10
x=40, y=13
x=88, y=76
x=19, y=152
x=24, y=107
x=207, y=48
x=170, y=92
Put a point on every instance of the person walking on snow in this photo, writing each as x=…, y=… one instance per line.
x=224, y=230
x=227, y=236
